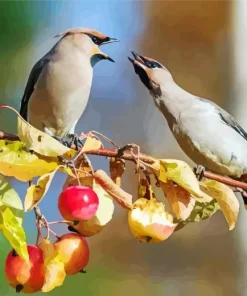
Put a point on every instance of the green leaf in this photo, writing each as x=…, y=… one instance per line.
x=9, y=198
x=16, y=161
x=14, y=232
x=200, y=212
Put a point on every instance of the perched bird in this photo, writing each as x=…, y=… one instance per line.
x=209, y=135
x=59, y=84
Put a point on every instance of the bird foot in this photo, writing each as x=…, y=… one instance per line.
x=199, y=172
x=71, y=141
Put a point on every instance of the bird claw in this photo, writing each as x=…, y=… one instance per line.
x=199, y=172
x=70, y=141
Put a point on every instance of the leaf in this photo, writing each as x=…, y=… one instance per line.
x=9, y=198
x=226, y=199
x=117, y=168
x=12, y=229
x=35, y=193
x=40, y=142
x=16, y=162
x=54, y=266
x=181, y=173
x=144, y=188
x=91, y=143
x=179, y=199
x=84, y=173
x=200, y=212
x=118, y=194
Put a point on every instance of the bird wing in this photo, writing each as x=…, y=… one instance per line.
x=32, y=80
x=228, y=119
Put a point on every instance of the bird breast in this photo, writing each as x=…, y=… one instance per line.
x=61, y=95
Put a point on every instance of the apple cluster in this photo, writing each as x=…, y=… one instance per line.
x=75, y=203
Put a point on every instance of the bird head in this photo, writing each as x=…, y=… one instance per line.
x=89, y=42
x=152, y=74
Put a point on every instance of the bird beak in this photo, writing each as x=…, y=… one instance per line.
x=144, y=72
x=109, y=40
x=139, y=63
x=96, y=51
x=138, y=60
x=106, y=57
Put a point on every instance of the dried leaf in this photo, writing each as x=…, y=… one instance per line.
x=16, y=162
x=117, y=168
x=181, y=173
x=40, y=142
x=226, y=199
x=144, y=188
x=117, y=193
x=54, y=266
x=84, y=173
x=179, y=199
x=35, y=193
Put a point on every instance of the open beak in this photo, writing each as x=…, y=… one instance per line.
x=106, y=57
x=138, y=60
x=109, y=40
x=141, y=69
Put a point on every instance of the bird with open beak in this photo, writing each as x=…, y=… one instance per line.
x=59, y=84
x=209, y=135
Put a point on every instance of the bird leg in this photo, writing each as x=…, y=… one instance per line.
x=199, y=172
x=71, y=141
x=62, y=140
x=75, y=141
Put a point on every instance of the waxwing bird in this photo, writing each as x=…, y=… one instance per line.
x=209, y=135
x=59, y=84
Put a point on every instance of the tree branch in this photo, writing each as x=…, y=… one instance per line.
x=126, y=155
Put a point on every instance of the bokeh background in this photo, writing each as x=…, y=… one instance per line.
x=204, y=44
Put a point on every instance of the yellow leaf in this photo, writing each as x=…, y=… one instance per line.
x=16, y=162
x=40, y=142
x=226, y=199
x=91, y=144
x=180, y=200
x=181, y=173
x=54, y=266
x=35, y=193
x=12, y=229
x=117, y=168
x=10, y=199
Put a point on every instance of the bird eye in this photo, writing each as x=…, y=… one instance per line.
x=95, y=40
x=149, y=64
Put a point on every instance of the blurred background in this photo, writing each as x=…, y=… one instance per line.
x=204, y=45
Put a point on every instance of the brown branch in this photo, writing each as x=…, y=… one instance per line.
x=127, y=155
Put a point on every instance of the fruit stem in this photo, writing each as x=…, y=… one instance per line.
x=58, y=222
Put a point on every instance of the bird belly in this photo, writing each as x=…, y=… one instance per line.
x=215, y=153
x=57, y=115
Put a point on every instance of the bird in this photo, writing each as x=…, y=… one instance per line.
x=207, y=134
x=59, y=84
